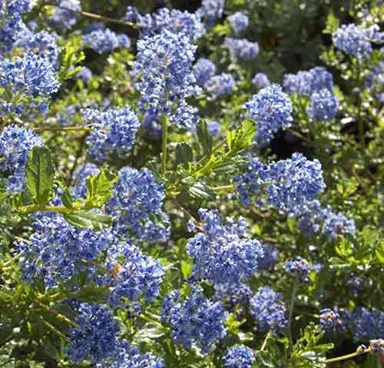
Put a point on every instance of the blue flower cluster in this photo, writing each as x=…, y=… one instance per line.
x=239, y=356
x=128, y=356
x=357, y=41
x=15, y=145
x=214, y=128
x=306, y=82
x=63, y=18
x=323, y=106
x=268, y=310
x=233, y=295
x=242, y=49
x=375, y=81
x=113, y=131
x=299, y=268
x=271, y=108
x=366, y=325
x=103, y=40
x=313, y=218
x=211, y=10
x=329, y=320
x=133, y=274
x=58, y=251
x=223, y=253
x=194, y=319
x=220, y=85
x=79, y=179
x=164, y=77
x=31, y=75
x=12, y=24
x=261, y=80
x=96, y=337
x=239, y=22
x=286, y=184
x=137, y=203
x=203, y=71
x=270, y=256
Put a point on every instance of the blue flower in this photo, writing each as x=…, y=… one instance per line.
x=338, y=224
x=15, y=145
x=238, y=21
x=329, y=320
x=85, y=74
x=194, y=319
x=223, y=253
x=268, y=310
x=271, y=108
x=137, y=202
x=355, y=40
x=211, y=10
x=260, y=80
x=203, y=71
x=214, y=128
x=366, y=325
x=220, y=85
x=323, y=106
x=164, y=78
x=242, y=49
x=96, y=338
x=299, y=268
x=285, y=184
x=64, y=18
x=104, y=40
x=270, y=256
x=239, y=356
x=79, y=179
x=112, y=131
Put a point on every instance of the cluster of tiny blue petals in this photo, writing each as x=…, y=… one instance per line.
x=366, y=325
x=194, y=319
x=96, y=337
x=271, y=108
x=239, y=356
x=214, y=128
x=299, y=268
x=261, y=80
x=306, y=82
x=133, y=274
x=85, y=74
x=128, y=356
x=220, y=85
x=211, y=10
x=15, y=145
x=323, y=106
x=338, y=224
x=268, y=310
x=238, y=21
x=203, y=71
x=64, y=18
x=233, y=295
x=163, y=71
x=58, y=251
x=355, y=40
x=223, y=253
x=104, y=40
x=112, y=131
x=137, y=202
x=329, y=320
x=242, y=49
x=31, y=75
x=287, y=184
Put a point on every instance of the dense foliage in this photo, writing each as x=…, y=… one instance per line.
x=191, y=188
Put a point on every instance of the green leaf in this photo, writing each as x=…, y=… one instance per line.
x=205, y=139
x=201, y=191
x=66, y=198
x=91, y=293
x=186, y=268
x=39, y=173
x=242, y=138
x=99, y=189
x=184, y=153
x=87, y=219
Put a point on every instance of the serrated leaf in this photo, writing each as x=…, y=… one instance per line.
x=205, y=139
x=99, y=189
x=184, y=153
x=39, y=171
x=89, y=220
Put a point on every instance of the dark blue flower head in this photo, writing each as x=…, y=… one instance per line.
x=112, y=131
x=366, y=325
x=223, y=253
x=105, y=40
x=270, y=256
x=268, y=310
x=299, y=268
x=64, y=18
x=239, y=356
x=329, y=320
x=323, y=106
x=271, y=108
x=211, y=10
x=194, y=319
